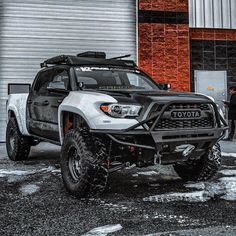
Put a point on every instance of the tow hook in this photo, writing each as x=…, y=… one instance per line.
x=157, y=158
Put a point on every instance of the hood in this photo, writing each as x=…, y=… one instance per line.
x=144, y=96
x=148, y=98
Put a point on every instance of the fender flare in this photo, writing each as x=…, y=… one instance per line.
x=15, y=113
x=73, y=110
x=17, y=105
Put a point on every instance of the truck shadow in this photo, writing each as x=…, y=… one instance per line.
x=44, y=153
x=142, y=181
x=128, y=182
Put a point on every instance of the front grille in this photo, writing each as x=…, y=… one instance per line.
x=184, y=124
x=203, y=107
x=166, y=122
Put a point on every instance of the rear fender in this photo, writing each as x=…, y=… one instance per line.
x=17, y=105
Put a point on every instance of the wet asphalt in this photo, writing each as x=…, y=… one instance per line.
x=33, y=201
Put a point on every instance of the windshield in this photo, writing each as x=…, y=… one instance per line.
x=113, y=78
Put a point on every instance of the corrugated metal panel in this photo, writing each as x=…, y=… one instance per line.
x=31, y=31
x=233, y=14
x=200, y=11
x=209, y=14
x=192, y=12
x=212, y=14
x=217, y=13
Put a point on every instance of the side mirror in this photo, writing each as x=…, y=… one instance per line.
x=165, y=87
x=81, y=85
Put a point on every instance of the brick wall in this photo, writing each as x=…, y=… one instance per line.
x=164, y=50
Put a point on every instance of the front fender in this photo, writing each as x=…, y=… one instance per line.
x=87, y=105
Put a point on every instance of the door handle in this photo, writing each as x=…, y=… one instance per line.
x=29, y=102
x=59, y=100
x=45, y=103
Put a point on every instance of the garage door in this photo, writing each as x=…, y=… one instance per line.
x=31, y=31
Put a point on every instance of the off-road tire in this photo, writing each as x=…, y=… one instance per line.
x=18, y=146
x=90, y=176
x=203, y=169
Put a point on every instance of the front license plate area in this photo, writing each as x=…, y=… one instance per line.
x=184, y=149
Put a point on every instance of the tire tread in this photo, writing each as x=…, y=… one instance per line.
x=22, y=143
x=93, y=179
x=203, y=169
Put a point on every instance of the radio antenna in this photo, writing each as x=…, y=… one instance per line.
x=115, y=58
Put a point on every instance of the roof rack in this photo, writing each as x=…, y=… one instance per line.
x=89, y=59
x=58, y=60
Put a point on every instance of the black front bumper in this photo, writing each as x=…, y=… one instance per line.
x=170, y=137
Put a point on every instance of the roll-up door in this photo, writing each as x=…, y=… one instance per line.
x=218, y=14
x=31, y=31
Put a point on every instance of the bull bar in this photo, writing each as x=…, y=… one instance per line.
x=169, y=136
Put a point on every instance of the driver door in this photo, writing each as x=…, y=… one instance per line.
x=35, y=102
x=57, y=89
x=50, y=89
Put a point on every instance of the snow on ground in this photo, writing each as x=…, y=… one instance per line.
x=197, y=196
x=158, y=171
x=228, y=172
x=227, y=179
x=130, y=167
x=226, y=154
x=210, y=230
x=56, y=171
x=199, y=185
x=180, y=219
x=6, y=173
x=103, y=230
x=115, y=207
x=224, y=188
x=118, y=207
x=147, y=173
x=29, y=189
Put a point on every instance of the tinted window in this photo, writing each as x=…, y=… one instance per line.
x=43, y=81
x=60, y=80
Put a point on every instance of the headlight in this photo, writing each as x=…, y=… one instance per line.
x=121, y=110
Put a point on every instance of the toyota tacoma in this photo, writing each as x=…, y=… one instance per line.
x=107, y=114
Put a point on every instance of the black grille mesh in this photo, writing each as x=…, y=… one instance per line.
x=203, y=107
x=184, y=124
